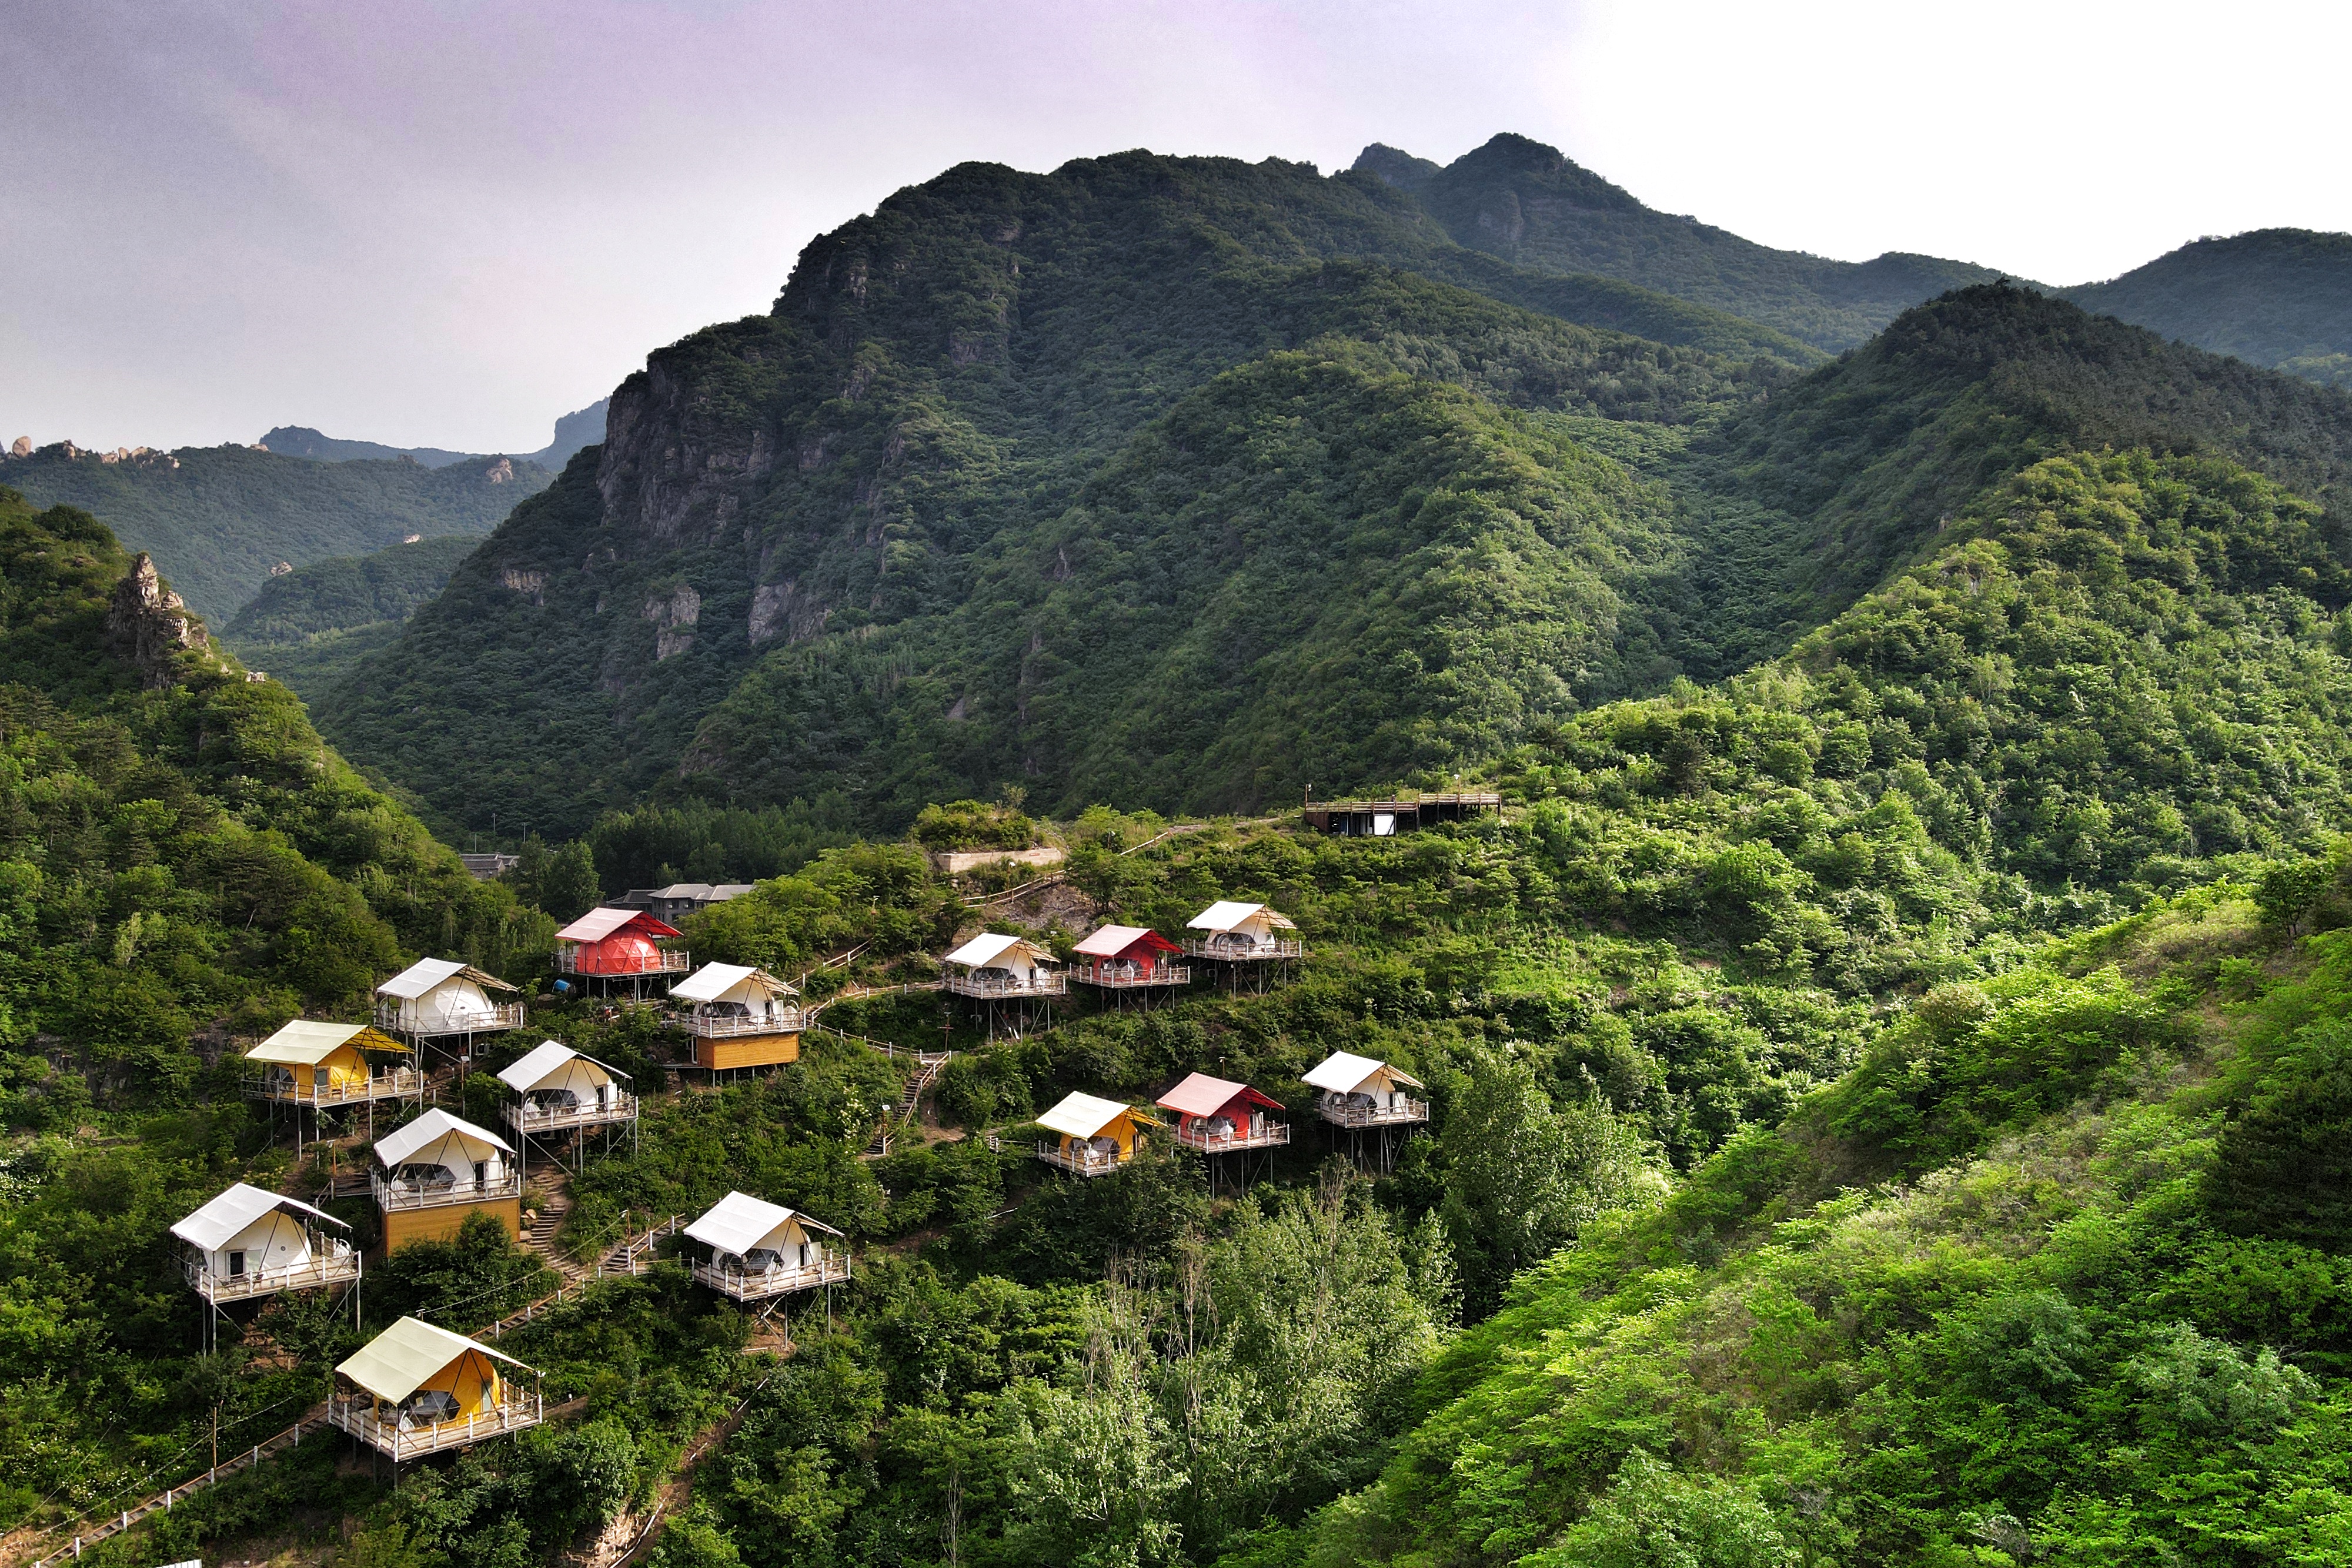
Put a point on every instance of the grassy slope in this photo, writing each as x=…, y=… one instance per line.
x=224, y=515
x=2281, y=298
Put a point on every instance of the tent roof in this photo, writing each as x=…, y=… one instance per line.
x=1201, y=1095
x=599, y=924
x=714, y=980
x=426, y=973
x=396, y=1364
x=1084, y=1115
x=397, y=1145
x=738, y=1222
x=541, y=1062
x=1342, y=1071
x=1224, y=915
x=990, y=945
x=235, y=1209
x=1112, y=940
x=310, y=1042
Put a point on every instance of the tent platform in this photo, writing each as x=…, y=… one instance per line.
x=1413, y=1112
x=967, y=985
x=525, y=1117
x=1209, y=947
x=358, y=1418
x=1086, y=1164
x=1202, y=1142
x=400, y=1085
x=315, y=1274
x=830, y=1269
x=1130, y=977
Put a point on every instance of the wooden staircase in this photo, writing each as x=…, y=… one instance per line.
x=549, y=1195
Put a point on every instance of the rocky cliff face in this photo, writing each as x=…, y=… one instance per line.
x=152, y=625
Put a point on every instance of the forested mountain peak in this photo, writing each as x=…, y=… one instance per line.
x=2281, y=298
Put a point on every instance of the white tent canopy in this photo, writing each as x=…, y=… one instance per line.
x=399, y=1361
x=741, y=1224
x=993, y=950
x=1253, y=919
x=306, y=1043
x=1344, y=1073
x=730, y=983
x=233, y=1212
x=438, y=1138
x=552, y=1064
x=1083, y=1115
x=442, y=996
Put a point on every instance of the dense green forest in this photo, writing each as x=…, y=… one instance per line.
x=2281, y=298
x=218, y=519
x=310, y=627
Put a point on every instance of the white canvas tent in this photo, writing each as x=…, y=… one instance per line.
x=441, y=1153
x=1239, y=930
x=739, y=991
x=443, y=997
x=249, y=1233
x=1342, y=1073
x=552, y=1074
x=760, y=1249
x=1018, y=957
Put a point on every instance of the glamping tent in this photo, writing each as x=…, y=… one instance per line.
x=436, y=998
x=415, y=1389
x=1215, y=1115
x=1125, y=958
x=1358, y=1091
x=756, y=1250
x=1098, y=1136
x=992, y=965
x=436, y=1170
x=250, y=1242
x=311, y=1063
x=1235, y=931
x=739, y=1016
x=558, y=1090
x=610, y=944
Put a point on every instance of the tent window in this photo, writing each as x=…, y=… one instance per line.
x=481, y=1173
x=236, y=1265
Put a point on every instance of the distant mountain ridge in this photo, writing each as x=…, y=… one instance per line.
x=2281, y=298
x=310, y=626
x=583, y=427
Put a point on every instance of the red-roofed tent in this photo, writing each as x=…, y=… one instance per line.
x=618, y=942
x=1214, y=1114
x=1121, y=956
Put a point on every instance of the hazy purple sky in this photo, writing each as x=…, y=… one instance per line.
x=444, y=224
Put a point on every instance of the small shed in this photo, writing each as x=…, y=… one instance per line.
x=754, y=1250
x=994, y=965
x=739, y=1016
x=434, y=1172
x=1233, y=931
x=327, y=1064
x=1096, y=1136
x=1216, y=1116
x=418, y=1389
x=251, y=1242
x=618, y=944
x=1123, y=957
x=436, y=998
x=1359, y=1091
x=558, y=1090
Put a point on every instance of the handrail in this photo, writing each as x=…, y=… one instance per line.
x=1092, y=1163
x=502, y=1015
x=330, y=1269
x=1235, y=952
x=506, y=1416
x=1043, y=983
x=1202, y=1141
x=831, y=1267
x=665, y=961
x=525, y=1116
x=1118, y=975
x=1373, y=1115
x=396, y=1195
x=784, y=1020
x=397, y=1084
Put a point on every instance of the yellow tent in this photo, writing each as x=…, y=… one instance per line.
x=323, y=1057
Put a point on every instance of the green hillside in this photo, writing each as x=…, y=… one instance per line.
x=218, y=519
x=937, y=389
x=1525, y=203
x=311, y=626
x=2281, y=298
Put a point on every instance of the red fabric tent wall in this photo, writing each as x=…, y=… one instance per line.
x=623, y=953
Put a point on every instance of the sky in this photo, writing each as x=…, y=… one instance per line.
x=445, y=225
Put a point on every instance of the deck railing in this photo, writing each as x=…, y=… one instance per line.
x=527, y=1117
x=731, y=1025
x=399, y=1194
x=333, y=1268
x=397, y=1084
x=665, y=961
x=831, y=1267
x=358, y=1417
x=497, y=1016
x=1202, y=1141
x=1082, y=1161
x=1230, y=952
x=1406, y=1111
x=1039, y=983
x=1124, y=975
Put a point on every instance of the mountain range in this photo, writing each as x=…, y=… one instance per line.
x=584, y=427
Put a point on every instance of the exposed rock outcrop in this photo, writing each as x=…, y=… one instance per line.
x=152, y=625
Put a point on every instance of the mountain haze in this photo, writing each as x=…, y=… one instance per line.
x=573, y=431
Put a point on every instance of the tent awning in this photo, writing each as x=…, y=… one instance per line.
x=426, y=973
x=715, y=980
x=739, y=1222
x=1112, y=940
x=398, y=1144
x=1226, y=915
x=990, y=945
x=1084, y=1115
x=397, y=1362
x=599, y=924
x=307, y=1042
x=1201, y=1095
x=1341, y=1072
x=235, y=1209
x=540, y=1063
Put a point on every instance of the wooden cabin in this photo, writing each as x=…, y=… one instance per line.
x=739, y=1016
x=1128, y=957
x=1239, y=933
x=1217, y=1116
x=620, y=944
x=434, y=1172
x=557, y=1090
x=440, y=998
x=415, y=1389
x=250, y=1242
x=330, y=1064
x=994, y=966
x=1358, y=1091
x=753, y=1250
x=1096, y=1136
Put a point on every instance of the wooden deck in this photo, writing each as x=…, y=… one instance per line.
x=831, y=1267
x=1087, y=1163
x=988, y=989
x=318, y=1273
x=1410, y=1112
x=1201, y=1141
x=359, y=1420
x=1116, y=977
x=665, y=961
x=393, y=1196
x=402, y=1085
x=498, y=1016
x=1244, y=952
x=728, y=1026
x=525, y=1117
